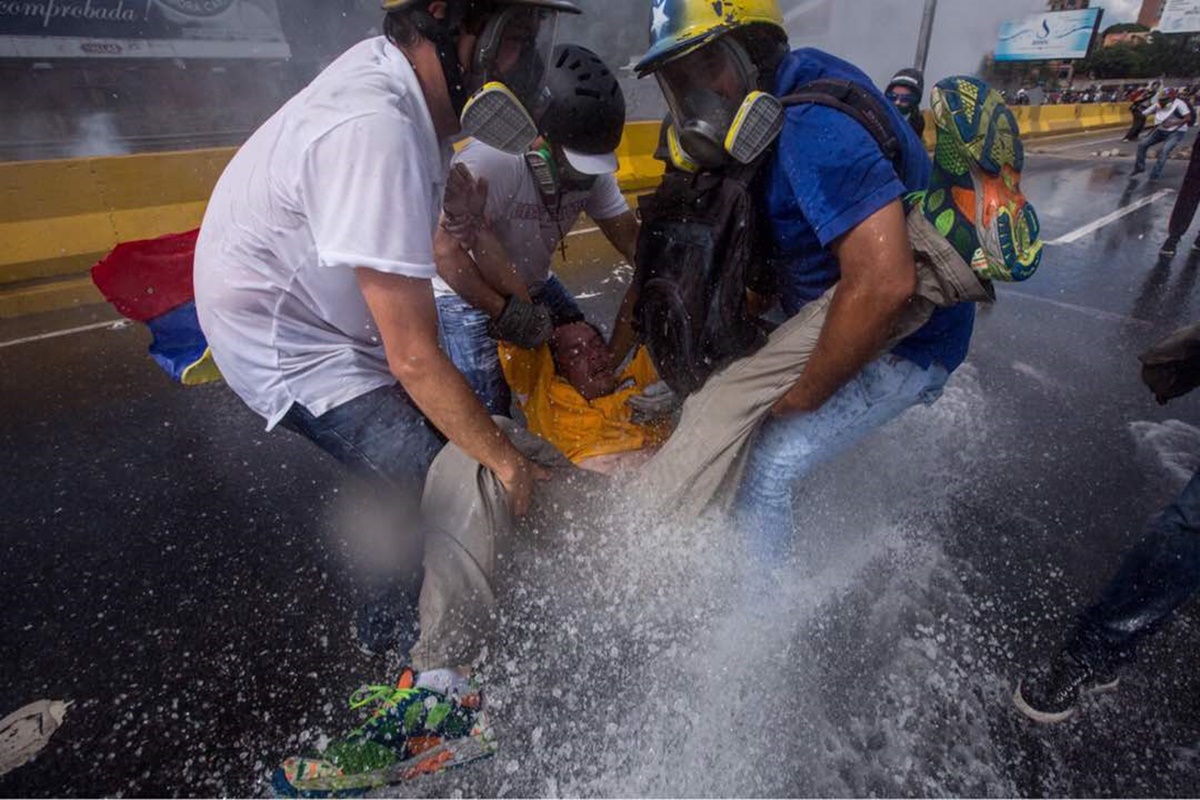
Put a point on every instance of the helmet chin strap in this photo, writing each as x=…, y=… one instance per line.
x=445, y=43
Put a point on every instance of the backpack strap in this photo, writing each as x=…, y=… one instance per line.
x=857, y=103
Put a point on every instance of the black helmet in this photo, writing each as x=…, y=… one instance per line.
x=585, y=108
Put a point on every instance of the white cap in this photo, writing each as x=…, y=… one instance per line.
x=590, y=164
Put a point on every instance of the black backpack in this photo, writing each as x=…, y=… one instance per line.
x=698, y=251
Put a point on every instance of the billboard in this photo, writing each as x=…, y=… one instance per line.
x=141, y=29
x=1180, y=16
x=1055, y=35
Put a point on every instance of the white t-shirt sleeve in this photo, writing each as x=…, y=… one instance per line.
x=502, y=170
x=605, y=201
x=368, y=194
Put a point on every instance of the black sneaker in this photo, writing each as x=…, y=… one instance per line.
x=1196, y=246
x=1051, y=694
x=1170, y=246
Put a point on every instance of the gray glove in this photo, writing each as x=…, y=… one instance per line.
x=655, y=402
x=522, y=323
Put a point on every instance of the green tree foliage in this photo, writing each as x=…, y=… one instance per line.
x=1118, y=61
x=1162, y=55
x=1124, y=27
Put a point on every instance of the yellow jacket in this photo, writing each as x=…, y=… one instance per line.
x=558, y=413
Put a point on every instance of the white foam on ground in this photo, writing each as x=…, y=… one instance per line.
x=662, y=661
x=1174, y=445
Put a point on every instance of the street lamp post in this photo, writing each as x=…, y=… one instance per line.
x=926, y=32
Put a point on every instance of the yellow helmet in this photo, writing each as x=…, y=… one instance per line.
x=678, y=27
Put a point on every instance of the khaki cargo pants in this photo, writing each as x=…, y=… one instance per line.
x=701, y=464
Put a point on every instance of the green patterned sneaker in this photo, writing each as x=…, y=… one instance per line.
x=413, y=731
x=974, y=197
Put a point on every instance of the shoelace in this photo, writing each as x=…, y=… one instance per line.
x=385, y=696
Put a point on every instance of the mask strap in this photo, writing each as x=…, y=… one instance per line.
x=445, y=43
x=546, y=156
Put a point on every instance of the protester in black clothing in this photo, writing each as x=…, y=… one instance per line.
x=1185, y=207
x=905, y=91
x=1138, y=109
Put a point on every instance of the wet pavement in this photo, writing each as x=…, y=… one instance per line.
x=181, y=574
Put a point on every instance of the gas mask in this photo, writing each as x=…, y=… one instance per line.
x=510, y=59
x=544, y=170
x=717, y=112
x=553, y=173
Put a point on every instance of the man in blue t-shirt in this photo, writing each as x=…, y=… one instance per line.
x=834, y=212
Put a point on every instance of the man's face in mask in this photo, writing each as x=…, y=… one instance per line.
x=583, y=359
x=704, y=90
x=711, y=69
x=517, y=42
x=903, y=98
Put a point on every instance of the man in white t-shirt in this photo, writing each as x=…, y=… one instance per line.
x=1172, y=118
x=313, y=286
x=533, y=200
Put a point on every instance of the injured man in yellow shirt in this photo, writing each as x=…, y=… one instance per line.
x=571, y=397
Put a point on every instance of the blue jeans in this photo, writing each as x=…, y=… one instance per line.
x=788, y=448
x=464, y=337
x=1157, y=576
x=380, y=435
x=1170, y=140
x=383, y=437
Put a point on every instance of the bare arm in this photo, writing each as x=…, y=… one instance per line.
x=484, y=278
x=878, y=278
x=405, y=314
x=622, y=232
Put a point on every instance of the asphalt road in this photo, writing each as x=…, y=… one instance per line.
x=181, y=575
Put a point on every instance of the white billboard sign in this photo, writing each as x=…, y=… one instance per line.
x=1054, y=35
x=1180, y=16
x=145, y=29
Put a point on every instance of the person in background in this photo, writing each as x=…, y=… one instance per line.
x=1184, y=210
x=1140, y=102
x=1157, y=576
x=1172, y=118
x=905, y=91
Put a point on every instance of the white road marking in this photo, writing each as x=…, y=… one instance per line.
x=1088, y=310
x=1060, y=148
x=582, y=231
x=1091, y=227
x=112, y=325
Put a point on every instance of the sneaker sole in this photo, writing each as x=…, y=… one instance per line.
x=985, y=135
x=1052, y=717
x=452, y=753
x=1044, y=717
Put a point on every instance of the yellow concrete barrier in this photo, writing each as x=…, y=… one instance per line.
x=57, y=218
x=1050, y=120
